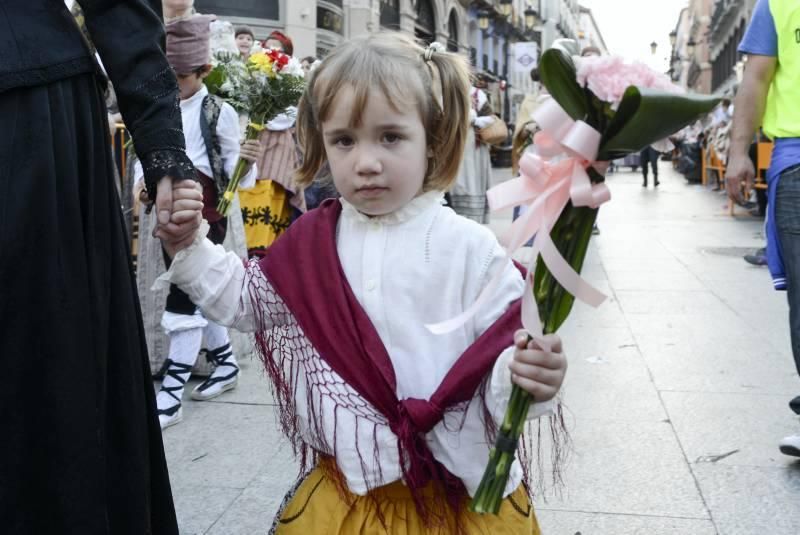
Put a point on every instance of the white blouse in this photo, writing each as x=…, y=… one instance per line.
x=421, y=264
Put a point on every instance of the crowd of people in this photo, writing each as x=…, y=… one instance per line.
x=393, y=423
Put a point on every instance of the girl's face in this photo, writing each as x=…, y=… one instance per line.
x=244, y=43
x=378, y=166
x=274, y=44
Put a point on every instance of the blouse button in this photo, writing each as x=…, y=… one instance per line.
x=370, y=285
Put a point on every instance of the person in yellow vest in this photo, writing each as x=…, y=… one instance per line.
x=769, y=96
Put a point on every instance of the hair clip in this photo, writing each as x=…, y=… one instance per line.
x=433, y=47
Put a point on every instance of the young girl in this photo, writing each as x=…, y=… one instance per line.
x=395, y=421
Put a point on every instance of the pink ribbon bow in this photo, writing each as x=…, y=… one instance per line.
x=550, y=175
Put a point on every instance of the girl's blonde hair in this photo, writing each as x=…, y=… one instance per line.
x=436, y=82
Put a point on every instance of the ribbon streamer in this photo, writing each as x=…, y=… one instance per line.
x=550, y=176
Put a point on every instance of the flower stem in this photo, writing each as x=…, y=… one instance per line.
x=224, y=204
x=571, y=235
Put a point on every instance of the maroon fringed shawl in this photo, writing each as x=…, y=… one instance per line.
x=304, y=268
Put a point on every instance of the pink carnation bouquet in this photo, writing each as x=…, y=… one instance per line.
x=608, y=77
x=601, y=109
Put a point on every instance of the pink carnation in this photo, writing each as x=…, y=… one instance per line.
x=609, y=76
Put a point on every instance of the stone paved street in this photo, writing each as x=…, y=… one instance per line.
x=676, y=394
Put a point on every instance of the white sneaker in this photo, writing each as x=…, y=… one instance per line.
x=224, y=378
x=791, y=445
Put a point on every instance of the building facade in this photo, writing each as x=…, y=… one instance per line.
x=680, y=60
x=705, y=55
x=729, y=20
x=589, y=33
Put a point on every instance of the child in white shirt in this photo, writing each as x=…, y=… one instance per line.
x=211, y=130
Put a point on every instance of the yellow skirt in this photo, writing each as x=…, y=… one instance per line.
x=318, y=508
x=266, y=213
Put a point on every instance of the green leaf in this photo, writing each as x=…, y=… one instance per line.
x=571, y=235
x=214, y=80
x=646, y=115
x=558, y=74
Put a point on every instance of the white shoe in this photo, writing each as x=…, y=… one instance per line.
x=224, y=378
x=167, y=420
x=168, y=400
x=791, y=445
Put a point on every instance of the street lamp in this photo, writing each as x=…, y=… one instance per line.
x=673, y=38
x=531, y=17
x=653, y=47
x=483, y=20
x=505, y=7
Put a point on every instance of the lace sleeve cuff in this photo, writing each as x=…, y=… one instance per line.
x=160, y=163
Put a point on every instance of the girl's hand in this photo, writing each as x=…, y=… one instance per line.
x=187, y=214
x=538, y=372
x=250, y=151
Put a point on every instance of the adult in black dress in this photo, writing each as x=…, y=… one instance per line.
x=80, y=445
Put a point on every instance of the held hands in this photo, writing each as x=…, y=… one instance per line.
x=250, y=152
x=180, y=211
x=538, y=372
x=739, y=168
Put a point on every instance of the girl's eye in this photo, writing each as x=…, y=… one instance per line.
x=343, y=141
x=391, y=138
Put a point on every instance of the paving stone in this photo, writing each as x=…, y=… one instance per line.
x=220, y=445
x=253, y=511
x=198, y=507
x=686, y=353
x=730, y=429
x=748, y=500
x=574, y=523
x=634, y=468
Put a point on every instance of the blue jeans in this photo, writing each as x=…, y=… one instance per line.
x=787, y=220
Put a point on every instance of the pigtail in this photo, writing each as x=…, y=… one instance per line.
x=449, y=124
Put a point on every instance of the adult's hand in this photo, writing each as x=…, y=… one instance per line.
x=740, y=168
x=164, y=201
x=184, y=213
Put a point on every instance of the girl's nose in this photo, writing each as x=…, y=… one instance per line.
x=367, y=162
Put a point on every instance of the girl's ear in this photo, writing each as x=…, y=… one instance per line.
x=429, y=154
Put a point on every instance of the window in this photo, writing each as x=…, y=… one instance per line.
x=426, y=21
x=259, y=9
x=390, y=14
x=452, y=30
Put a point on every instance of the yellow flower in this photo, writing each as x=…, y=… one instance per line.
x=261, y=62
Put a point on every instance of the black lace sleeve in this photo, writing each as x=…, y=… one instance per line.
x=130, y=36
